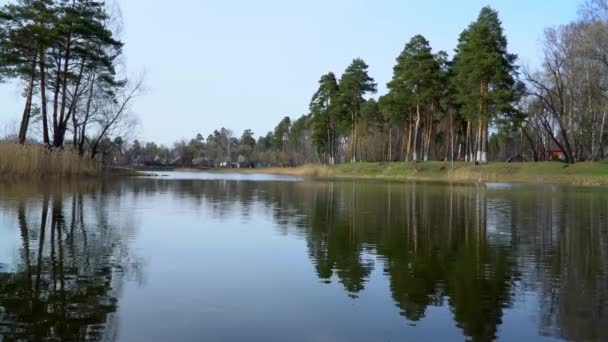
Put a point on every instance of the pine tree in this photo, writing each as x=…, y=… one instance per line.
x=395, y=111
x=85, y=47
x=484, y=78
x=281, y=134
x=247, y=138
x=416, y=80
x=62, y=46
x=354, y=85
x=324, y=110
x=19, y=45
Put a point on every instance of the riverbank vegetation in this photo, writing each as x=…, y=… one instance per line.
x=584, y=173
x=477, y=106
x=37, y=161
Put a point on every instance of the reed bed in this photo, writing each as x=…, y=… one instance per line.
x=38, y=161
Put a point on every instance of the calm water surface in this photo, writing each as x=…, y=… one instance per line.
x=193, y=257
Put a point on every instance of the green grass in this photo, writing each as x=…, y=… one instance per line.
x=543, y=172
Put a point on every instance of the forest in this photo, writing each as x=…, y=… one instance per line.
x=475, y=105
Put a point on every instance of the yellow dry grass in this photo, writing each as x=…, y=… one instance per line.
x=308, y=170
x=37, y=161
x=301, y=171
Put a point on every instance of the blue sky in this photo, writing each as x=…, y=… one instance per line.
x=246, y=64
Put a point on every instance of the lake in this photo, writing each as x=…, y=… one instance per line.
x=232, y=257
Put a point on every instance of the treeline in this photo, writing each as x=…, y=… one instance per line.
x=67, y=55
x=436, y=108
x=285, y=146
x=476, y=106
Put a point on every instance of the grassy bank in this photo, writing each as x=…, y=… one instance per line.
x=36, y=161
x=545, y=172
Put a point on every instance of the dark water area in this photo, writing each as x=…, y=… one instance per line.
x=207, y=257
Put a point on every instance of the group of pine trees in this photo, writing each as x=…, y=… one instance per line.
x=477, y=106
x=435, y=107
x=66, y=53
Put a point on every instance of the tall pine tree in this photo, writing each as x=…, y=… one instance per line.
x=416, y=80
x=354, y=85
x=324, y=110
x=484, y=79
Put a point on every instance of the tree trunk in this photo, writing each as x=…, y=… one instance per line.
x=409, y=139
x=401, y=142
x=600, y=150
x=43, y=102
x=74, y=132
x=484, y=116
x=451, y=139
x=484, y=142
x=25, y=120
x=56, y=102
x=87, y=115
x=429, y=135
x=416, y=128
x=569, y=156
x=531, y=142
x=73, y=104
x=467, y=150
x=353, y=138
x=390, y=144
x=478, y=140
x=61, y=127
x=602, y=135
x=356, y=142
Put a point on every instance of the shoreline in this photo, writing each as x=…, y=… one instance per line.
x=586, y=174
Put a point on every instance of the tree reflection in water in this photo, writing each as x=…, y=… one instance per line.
x=473, y=248
x=478, y=250
x=68, y=277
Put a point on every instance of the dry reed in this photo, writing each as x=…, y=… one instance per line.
x=37, y=161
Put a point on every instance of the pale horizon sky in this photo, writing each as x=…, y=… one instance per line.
x=247, y=64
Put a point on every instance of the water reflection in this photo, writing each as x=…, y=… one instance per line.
x=487, y=253
x=67, y=280
x=479, y=250
x=433, y=246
